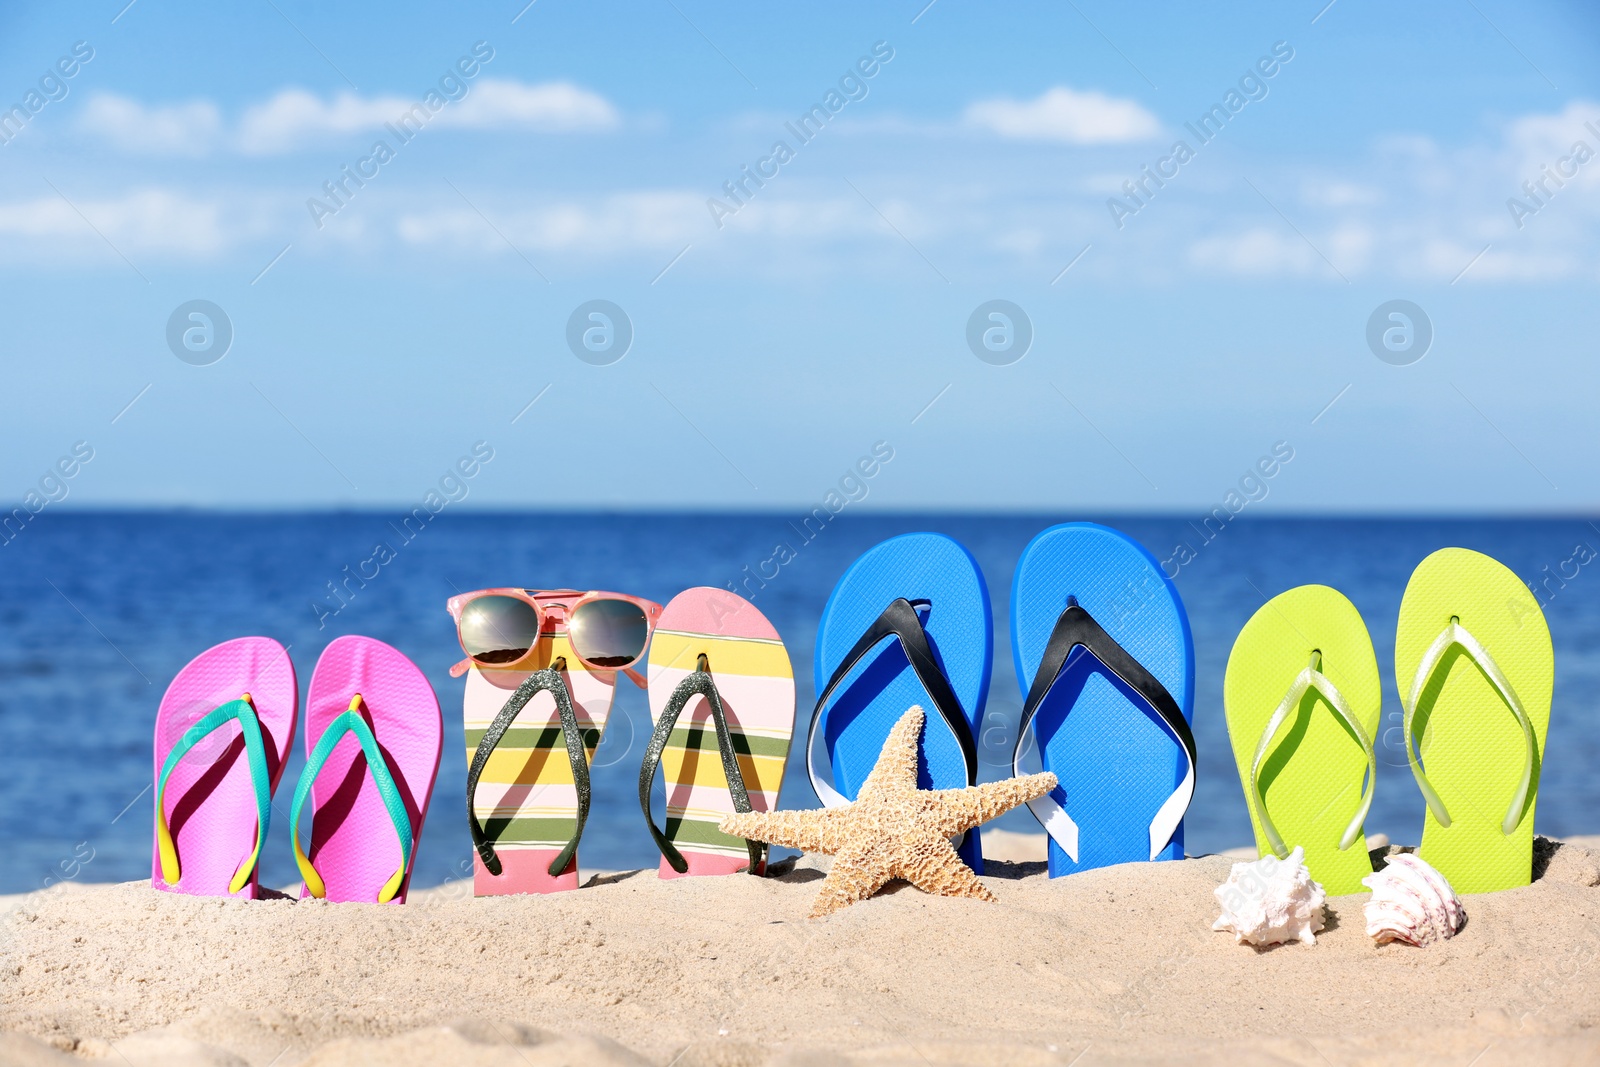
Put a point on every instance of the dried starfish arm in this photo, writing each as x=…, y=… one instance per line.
x=955, y=811
x=857, y=873
x=896, y=769
x=935, y=867
x=820, y=831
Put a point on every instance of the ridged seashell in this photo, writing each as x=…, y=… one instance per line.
x=1411, y=902
x=1269, y=901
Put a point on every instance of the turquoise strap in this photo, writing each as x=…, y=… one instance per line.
x=351, y=722
x=255, y=750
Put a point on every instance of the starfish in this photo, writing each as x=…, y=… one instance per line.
x=893, y=829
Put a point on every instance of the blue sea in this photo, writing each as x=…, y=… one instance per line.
x=99, y=610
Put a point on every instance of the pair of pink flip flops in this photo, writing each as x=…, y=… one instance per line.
x=222, y=737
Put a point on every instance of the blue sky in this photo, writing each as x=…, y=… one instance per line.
x=1176, y=339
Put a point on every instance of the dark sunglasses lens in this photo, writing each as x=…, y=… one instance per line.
x=498, y=629
x=609, y=633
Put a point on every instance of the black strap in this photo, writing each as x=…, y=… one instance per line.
x=900, y=620
x=548, y=680
x=1075, y=627
x=699, y=683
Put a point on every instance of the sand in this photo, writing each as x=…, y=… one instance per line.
x=1116, y=966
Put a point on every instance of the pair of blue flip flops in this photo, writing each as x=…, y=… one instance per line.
x=1102, y=649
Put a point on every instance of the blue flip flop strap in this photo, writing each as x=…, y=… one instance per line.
x=1076, y=628
x=255, y=751
x=351, y=722
x=899, y=620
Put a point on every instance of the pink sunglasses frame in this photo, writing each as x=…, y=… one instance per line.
x=546, y=603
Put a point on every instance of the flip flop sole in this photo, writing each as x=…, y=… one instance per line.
x=353, y=843
x=210, y=800
x=755, y=680
x=1115, y=760
x=873, y=697
x=1472, y=748
x=526, y=801
x=1311, y=780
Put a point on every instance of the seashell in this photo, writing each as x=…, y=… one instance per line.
x=1411, y=902
x=1269, y=901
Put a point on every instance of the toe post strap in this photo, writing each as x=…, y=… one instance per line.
x=352, y=721
x=699, y=682
x=1454, y=635
x=242, y=711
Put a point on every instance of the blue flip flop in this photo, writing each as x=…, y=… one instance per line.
x=909, y=623
x=1103, y=650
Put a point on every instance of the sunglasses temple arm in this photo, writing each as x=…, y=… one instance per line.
x=461, y=668
x=635, y=677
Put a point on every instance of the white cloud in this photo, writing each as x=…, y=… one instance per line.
x=146, y=220
x=295, y=117
x=1540, y=138
x=552, y=106
x=188, y=129
x=1339, y=192
x=1065, y=115
x=648, y=220
x=1255, y=252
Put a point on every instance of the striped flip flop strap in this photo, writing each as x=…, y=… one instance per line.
x=548, y=680
x=698, y=683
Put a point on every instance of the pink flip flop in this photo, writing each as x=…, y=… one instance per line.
x=373, y=737
x=222, y=735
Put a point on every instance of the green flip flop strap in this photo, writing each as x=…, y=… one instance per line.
x=1456, y=635
x=351, y=722
x=548, y=680
x=699, y=683
x=243, y=712
x=1309, y=679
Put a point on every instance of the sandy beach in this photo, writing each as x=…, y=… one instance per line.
x=1116, y=966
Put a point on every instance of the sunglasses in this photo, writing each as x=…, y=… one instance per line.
x=501, y=628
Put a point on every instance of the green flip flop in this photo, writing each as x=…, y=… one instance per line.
x=1473, y=661
x=1303, y=701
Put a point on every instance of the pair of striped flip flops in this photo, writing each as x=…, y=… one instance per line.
x=721, y=696
x=222, y=738
x=1102, y=649
x=1475, y=670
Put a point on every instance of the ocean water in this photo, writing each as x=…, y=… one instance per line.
x=98, y=611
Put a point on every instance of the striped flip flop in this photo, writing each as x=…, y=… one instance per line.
x=528, y=776
x=722, y=700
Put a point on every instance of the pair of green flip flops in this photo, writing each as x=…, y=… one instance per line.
x=1474, y=667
